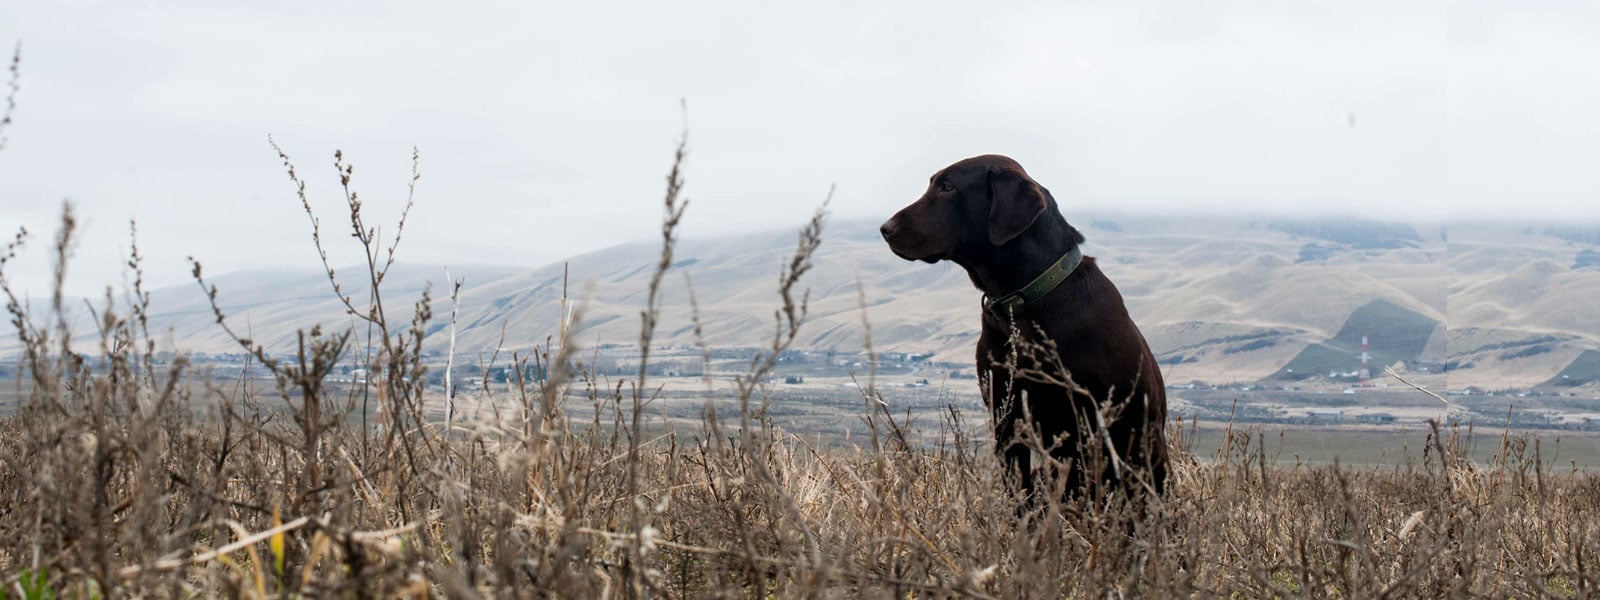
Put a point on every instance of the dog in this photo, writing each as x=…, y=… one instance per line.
x=1062, y=366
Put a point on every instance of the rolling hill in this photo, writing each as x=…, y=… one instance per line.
x=1220, y=299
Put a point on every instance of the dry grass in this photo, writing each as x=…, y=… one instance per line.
x=118, y=480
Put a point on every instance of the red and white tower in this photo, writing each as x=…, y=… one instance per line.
x=1366, y=371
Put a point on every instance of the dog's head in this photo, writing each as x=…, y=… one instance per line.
x=981, y=202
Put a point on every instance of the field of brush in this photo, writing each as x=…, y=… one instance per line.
x=111, y=488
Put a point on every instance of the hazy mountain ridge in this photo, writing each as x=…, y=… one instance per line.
x=1219, y=299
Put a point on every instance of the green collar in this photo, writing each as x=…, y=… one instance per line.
x=1012, y=304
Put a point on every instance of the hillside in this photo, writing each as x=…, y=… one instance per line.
x=1220, y=299
x=1522, y=305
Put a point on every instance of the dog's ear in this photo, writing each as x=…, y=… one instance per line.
x=1015, y=201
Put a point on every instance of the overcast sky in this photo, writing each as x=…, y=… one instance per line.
x=546, y=127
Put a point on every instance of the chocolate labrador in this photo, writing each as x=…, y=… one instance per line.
x=1062, y=365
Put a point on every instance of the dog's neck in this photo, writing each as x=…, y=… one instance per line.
x=1004, y=269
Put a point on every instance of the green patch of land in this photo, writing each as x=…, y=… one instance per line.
x=1584, y=369
x=1394, y=334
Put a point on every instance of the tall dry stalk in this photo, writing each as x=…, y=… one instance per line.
x=450, y=354
x=13, y=85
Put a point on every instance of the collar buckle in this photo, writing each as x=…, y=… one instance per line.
x=1006, y=306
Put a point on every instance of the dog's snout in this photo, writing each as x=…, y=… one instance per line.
x=888, y=227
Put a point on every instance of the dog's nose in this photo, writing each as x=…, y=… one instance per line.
x=887, y=229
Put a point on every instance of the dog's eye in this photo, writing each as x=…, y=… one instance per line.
x=944, y=186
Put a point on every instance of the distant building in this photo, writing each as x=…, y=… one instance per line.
x=1377, y=418
x=1425, y=367
x=1325, y=415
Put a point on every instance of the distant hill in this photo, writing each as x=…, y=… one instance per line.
x=1220, y=299
x=1520, y=313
